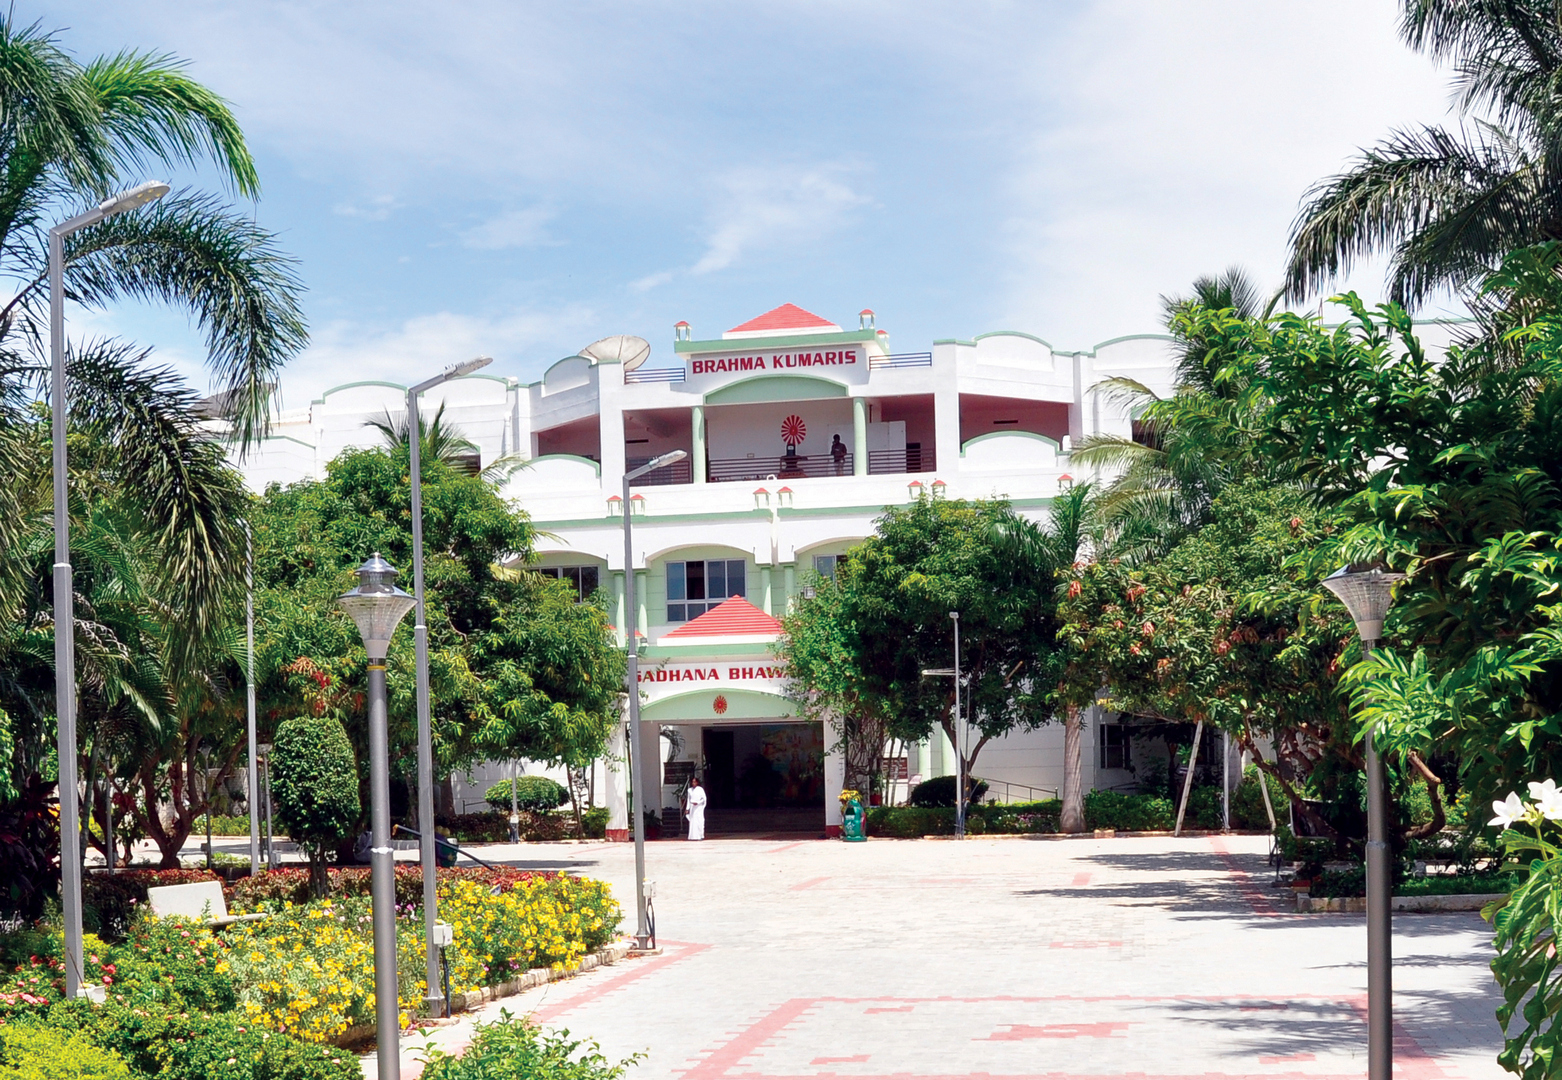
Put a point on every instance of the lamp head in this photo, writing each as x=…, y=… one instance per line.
x=466, y=367
x=667, y=459
x=1367, y=591
x=139, y=195
x=376, y=605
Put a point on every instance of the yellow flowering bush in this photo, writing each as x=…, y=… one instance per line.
x=537, y=922
x=309, y=969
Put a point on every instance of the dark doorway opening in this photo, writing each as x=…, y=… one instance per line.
x=720, y=769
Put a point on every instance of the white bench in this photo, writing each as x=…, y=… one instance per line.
x=200, y=900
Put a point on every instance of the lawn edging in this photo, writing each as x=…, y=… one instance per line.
x=1357, y=905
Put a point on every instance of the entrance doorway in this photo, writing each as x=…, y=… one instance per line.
x=764, y=778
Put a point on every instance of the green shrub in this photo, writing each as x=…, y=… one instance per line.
x=531, y=793
x=940, y=792
x=170, y=1045
x=910, y=822
x=314, y=780
x=1131, y=813
x=1032, y=817
x=32, y=1051
x=173, y=963
x=1312, y=850
x=594, y=822
x=1247, y=801
x=1203, y=810
x=494, y=828
x=512, y=1048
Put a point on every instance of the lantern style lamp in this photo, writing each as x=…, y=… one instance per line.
x=377, y=605
x=1367, y=591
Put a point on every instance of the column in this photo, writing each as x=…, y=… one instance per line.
x=946, y=753
x=642, y=621
x=697, y=447
x=648, y=774
x=859, y=436
x=616, y=776
x=925, y=759
x=791, y=589
x=764, y=590
x=834, y=779
x=619, y=618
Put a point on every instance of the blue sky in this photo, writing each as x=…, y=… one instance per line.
x=519, y=179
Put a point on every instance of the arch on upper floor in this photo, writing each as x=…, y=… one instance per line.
x=721, y=550
x=766, y=388
x=833, y=541
x=993, y=435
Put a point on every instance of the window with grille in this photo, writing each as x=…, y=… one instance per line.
x=694, y=587
x=584, y=578
x=1116, y=746
x=824, y=565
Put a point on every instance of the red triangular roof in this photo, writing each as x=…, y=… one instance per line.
x=785, y=317
x=733, y=616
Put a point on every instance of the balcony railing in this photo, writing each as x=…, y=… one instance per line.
x=675, y=473
x=651, y=375
x=910, y=460
x=782, y=467
x=901, y=360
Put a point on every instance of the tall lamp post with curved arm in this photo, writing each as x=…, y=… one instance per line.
x=64, y=585
x=377, y=605
x=1367, y=591
x=433, y=995
x=632, y=688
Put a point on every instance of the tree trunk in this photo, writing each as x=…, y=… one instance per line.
x=1073, y=819
x=319, y=880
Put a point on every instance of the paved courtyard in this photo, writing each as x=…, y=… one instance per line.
x=1006, y=958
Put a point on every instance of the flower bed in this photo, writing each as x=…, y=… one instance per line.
x=541, y=922
x=291, y=884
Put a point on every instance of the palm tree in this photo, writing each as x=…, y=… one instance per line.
x=437, y=442
x=1040, y=551
x=1447, y=205
x=71, y=134
x=1186, y=447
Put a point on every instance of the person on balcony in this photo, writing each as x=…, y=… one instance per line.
x=838, y=455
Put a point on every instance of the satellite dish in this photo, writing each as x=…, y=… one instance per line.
x=625, y=349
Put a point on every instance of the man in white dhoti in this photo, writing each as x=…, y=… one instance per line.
x=694, y=809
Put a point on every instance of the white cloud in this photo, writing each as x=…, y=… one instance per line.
x=512, y=229
x=651, y=281
x=348, y=350
x=763, y=208
x=377, y=208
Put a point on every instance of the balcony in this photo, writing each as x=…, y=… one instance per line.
x=802, y=466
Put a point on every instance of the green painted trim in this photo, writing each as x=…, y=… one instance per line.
x=759, y=344
x=953, y=341
x=300, y=442
x=597, y=465
x=776, y=388
x=675, y=652
x=1009, y=435
x=1013, y=333
x=362, y=382
x=1131, y=337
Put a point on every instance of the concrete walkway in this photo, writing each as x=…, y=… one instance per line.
x=1003, y=959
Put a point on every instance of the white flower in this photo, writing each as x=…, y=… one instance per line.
x=1548, y=799
x=1510, y=809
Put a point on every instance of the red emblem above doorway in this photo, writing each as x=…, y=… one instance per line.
x=720, y=704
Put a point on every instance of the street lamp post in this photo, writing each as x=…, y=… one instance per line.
x=64, y=606
x=434, y=996
x=1367, y=591
x=632, y=688
x=249, y=701
x=954, y=673
x=377, y=605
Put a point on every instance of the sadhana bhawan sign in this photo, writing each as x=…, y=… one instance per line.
x=711, y=674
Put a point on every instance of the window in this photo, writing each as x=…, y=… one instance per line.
x=584, y=578
x=1116, y=746
x=695, y=587
x=824, y=565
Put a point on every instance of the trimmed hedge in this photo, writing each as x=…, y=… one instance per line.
x=531, y=793
x=494, y=828
x=1103, y=810
x=31, y=1051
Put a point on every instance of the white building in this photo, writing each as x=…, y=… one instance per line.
x=798, y=434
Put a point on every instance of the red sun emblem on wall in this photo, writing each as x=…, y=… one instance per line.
x=720, y=704
x=793, y=430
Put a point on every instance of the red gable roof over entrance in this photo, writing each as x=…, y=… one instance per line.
x=732, y=617
x=785, y=317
